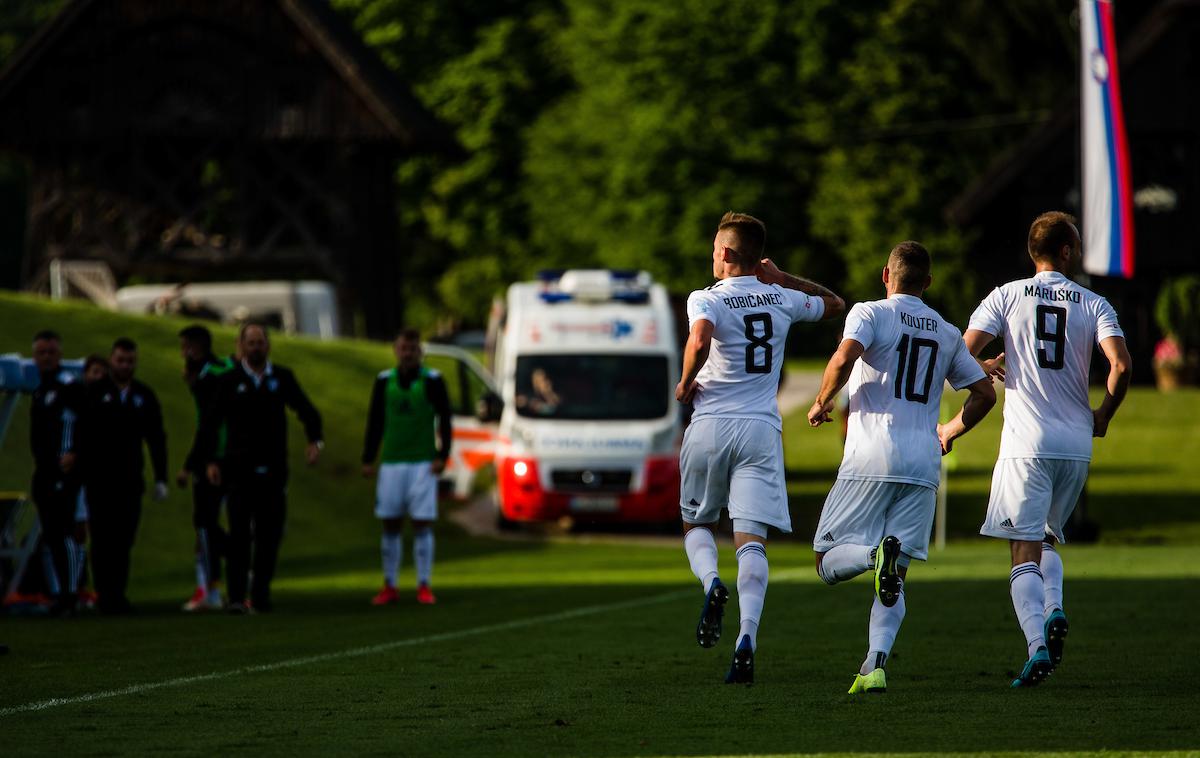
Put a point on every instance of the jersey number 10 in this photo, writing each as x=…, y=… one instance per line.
x=910, y=357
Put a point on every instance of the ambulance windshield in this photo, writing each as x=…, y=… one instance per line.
x=592, y=387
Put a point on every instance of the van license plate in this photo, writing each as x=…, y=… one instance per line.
x=591, y=504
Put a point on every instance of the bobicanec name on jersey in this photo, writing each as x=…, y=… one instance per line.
x=754, y=300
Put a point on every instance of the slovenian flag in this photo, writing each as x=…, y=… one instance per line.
x=1107, y=189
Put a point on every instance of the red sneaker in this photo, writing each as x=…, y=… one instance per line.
x=425, y=595
x=19, y=598
x=87, y=599
x=386, y=596
x=198, y=601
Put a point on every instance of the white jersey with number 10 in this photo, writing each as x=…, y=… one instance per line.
x=750, y=327
x=1049, y=325
x=896, y=389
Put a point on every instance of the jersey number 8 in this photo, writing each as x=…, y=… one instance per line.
x=758, y=342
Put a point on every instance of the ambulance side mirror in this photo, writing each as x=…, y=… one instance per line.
x=489, y=408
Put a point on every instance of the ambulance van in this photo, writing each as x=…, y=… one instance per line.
x=586, y=362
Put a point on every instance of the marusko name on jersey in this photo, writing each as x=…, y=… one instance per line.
x=1045, y=293
x=755, y=300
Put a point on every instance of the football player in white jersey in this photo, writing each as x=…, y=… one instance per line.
x=732, y=454
x=896, y=354
x=1049, y=324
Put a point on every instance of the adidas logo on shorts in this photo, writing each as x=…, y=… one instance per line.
x=1007, y=524
x=827, y=537
x=693, y=503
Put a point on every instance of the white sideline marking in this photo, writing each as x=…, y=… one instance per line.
x=354, y=652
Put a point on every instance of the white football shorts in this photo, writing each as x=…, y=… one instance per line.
x=864, y=511
x=406, y=489
x=737, y=464
x=1033, y=497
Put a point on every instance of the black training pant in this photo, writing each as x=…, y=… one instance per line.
x=113, y=516
x=55, y=496
x=257, y=508
x=206, y=517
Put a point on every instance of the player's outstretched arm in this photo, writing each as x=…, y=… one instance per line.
x=769, y=273
x=837, y=373
x=976, y=340
x=695, y=355
x=1120, y=369
x=979, y=402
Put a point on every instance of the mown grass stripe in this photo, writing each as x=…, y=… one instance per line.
x=354, y=652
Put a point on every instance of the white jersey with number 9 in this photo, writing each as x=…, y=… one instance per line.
x=1049, y=325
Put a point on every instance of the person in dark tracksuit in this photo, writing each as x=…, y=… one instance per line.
x=54, y=426
x=250, y=402
x=122, y=414
x=202, y=368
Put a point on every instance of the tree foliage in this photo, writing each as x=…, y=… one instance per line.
x=615, y=132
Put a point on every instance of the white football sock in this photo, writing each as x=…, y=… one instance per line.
x=1052, y=577
x=1029, y=601
x=752, y=588
x=846, y=562
x=201, y=556
x=392, y=551
x=423, y=554
x=701, y=548
x=72, y=564
x=80, y=563
x=49, y=572
x=881, y=635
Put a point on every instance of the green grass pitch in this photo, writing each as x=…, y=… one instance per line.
x=584, y=646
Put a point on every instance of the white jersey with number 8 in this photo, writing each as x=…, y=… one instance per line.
x=750, y=327
x=896, y=389
x=1049, y=325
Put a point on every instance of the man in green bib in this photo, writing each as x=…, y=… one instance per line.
x=406, y=403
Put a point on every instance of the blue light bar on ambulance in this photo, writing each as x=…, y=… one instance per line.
x=595, y=286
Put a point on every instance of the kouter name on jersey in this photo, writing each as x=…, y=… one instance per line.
x=918, y=322
x=753, y=301
x=1032, y=290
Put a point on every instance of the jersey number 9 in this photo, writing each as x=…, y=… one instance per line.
x=1058, y=337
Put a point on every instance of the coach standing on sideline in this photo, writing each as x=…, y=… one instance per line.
x=121, y=414
x=250, y=401
x=53, y=438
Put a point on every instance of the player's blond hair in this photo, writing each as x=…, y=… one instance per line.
x=746, y=236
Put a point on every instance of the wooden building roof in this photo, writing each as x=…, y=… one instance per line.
x=247, y=70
